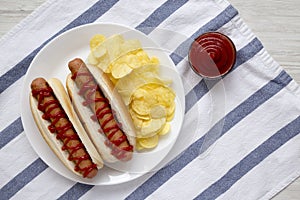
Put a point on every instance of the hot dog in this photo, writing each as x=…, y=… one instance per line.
x=99, y=105
x=61, y=128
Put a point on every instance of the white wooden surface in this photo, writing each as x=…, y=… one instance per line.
x=275, y=22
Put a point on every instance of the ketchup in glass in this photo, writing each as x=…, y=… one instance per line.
x=212, y=55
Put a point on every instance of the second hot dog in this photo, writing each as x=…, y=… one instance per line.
x=97, y=103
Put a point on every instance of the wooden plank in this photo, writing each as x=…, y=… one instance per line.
x=13, y=11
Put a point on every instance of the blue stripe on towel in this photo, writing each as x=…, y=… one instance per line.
x=10, y=132
x=159, y=15
x=76, y=191
x=251, y=160
x=90, y=15
x=194, y=150
x=23, y=178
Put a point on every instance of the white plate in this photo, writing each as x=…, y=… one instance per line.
x=52, y=61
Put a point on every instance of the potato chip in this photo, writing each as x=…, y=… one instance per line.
x=144, y=117
x=140, y=107
x=142, y=56
x=154, y=60
x=157, y=111
x=143, y=73
x=136, y=121
x=158, y=94
x=133, y=61
x=126, y=96
x=152, y=127
x=150, y=99
x=166, y=96
x=113, y=80
x=130, y=46
x=156, y=101
x=113, y=46
x=120, y=70
x=139, y=94
x=99, y=51
x=96, y=40
x=106, y=51
x=170, y=111
x=170, y=116
x=165, y=129
x=148, y=143
x=104, y=63
x=92, y=59
x=138, y=146
x=136, y=76
x=129, y=84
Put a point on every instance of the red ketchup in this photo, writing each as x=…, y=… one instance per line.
x=212, y=55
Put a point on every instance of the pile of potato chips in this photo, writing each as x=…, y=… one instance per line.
x=150, y=100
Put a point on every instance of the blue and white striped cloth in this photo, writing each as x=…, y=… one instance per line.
x=247, y=147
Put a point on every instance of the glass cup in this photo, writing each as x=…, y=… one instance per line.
x=212, y=55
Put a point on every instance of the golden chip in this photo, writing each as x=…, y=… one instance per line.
x=130, y=46
x=120, y=70
x=144, y=117
x=170, y=116
x=170, y=111
x=92, y=59
x=136, y=76
x=99, y=51
x=165, y=129
x=152, y=127
x=133, y=61
x=104, y=63
x=140, y=107
x=158, y=111
x=96, y=40
x=149, y=142
x=138, y=123
x=138, y=147
x=126, y=96
x=113, y=46
x=139, y=94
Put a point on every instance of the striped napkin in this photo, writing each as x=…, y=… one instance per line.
x=239, y=138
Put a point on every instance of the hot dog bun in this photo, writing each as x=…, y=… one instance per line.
x=51, y=138
x=116, y=104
